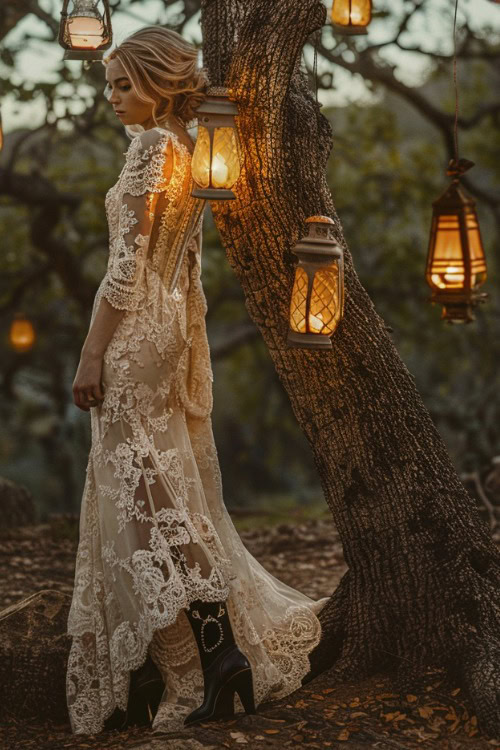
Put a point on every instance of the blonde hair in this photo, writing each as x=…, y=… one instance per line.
x=162, y=67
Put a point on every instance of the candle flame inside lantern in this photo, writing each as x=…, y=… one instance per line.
x=225, y=158
x=324, y=309
x=448, y=270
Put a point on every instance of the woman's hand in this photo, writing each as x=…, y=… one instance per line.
x=87, y=387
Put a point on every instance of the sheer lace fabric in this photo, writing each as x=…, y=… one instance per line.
x=154, y=532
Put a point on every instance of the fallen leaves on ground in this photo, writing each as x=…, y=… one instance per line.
x=359, y=715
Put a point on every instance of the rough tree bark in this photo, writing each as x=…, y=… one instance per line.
x=422, y=585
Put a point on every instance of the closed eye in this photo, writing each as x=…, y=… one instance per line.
x=108, y=90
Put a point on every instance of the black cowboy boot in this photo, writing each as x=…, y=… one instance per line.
x=226, y=670
x=145, y=692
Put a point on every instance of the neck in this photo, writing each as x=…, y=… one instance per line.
x=171, y=123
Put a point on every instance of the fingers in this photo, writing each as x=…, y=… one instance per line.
x=86, y=398
x=78, y=401
x=91, y=400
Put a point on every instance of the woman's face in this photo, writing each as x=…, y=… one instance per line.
x=121, y=96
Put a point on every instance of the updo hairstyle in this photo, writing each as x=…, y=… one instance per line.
x=162, y=67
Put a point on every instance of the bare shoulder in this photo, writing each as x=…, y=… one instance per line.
x=152, y=137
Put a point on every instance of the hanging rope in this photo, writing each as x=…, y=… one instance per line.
x=455, y=129
x=457, y=166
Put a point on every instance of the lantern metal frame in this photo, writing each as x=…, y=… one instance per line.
x=217, y=111
x=457, y=303
x=351, y=29
x=64, y=37
x=317, y=250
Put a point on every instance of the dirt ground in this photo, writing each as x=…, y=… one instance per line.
x=306, y=554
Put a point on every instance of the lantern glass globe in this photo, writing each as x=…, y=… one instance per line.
x=352, y=16
x=86, y=32
x=324, y=305
x=456, y=260
x=225, y=166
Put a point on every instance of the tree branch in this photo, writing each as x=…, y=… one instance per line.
x=365, y=66
x=237, y=337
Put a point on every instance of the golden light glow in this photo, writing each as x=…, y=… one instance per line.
x=200, y=162
x=21, y=334
x=85, y=32
x=325, y=309
x=352, y=14
x=456, y=264
x=447, y=268
x=225, y=158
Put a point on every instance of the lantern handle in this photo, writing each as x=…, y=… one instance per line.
x=458, y=167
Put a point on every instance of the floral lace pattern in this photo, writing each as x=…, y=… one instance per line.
x=154, y=532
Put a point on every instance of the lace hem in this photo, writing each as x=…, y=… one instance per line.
x=288, y=646
x=98, y=669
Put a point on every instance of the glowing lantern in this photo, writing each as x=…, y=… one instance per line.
x=85, y=33
x=215, y=164
x=351, y=16
x=21, y=334
x=317, y=303
x=456, y=266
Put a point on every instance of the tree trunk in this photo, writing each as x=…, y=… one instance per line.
x=422, y=585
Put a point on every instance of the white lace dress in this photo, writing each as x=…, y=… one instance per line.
x=154, y=531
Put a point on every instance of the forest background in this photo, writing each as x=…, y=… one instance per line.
x=389, y=97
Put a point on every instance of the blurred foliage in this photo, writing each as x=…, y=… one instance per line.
x=385, y=170
x=386, y=167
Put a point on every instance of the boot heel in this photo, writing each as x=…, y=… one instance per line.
x=243, y=685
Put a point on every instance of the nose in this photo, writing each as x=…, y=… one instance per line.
x=111, y=95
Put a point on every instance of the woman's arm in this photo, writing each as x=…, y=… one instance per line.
x=87, y=386
x=146, y=174
x=101, y=331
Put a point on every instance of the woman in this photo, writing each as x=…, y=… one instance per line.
x=161, y=572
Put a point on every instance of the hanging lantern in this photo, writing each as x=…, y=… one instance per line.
x=21, y=334
x=351, y=16
x=456, y=265
x=85, y=33
x=215, y=164
x=317, y=303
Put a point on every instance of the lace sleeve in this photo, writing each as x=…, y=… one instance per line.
x=147, y=172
